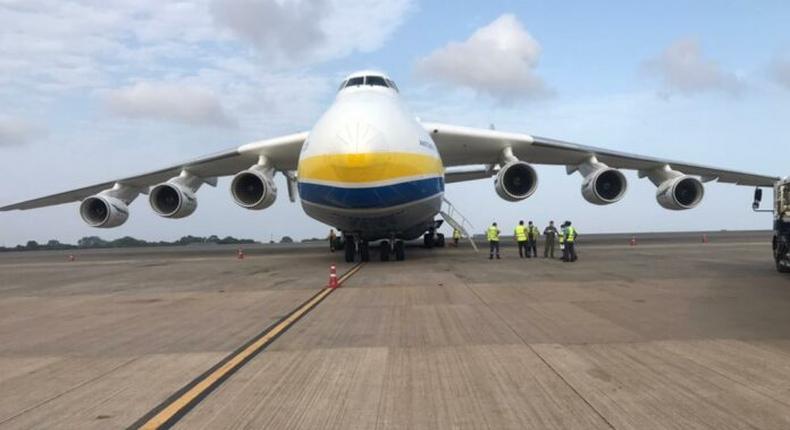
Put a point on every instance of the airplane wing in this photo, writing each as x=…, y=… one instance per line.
x=460, y=146
x=282, y=152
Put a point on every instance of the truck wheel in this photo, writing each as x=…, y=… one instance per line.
x=781, y=257
x=439, y=240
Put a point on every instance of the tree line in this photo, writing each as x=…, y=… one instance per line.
x=92, y=242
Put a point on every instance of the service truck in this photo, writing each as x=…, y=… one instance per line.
x=781, y=211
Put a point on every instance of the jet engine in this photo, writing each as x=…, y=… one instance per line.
x=604, y=186
x=172, y=200
x=254, y=188
x=680, y=193
x=103, y=211
x=516, y=181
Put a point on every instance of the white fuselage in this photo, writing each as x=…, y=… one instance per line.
x=370, y=169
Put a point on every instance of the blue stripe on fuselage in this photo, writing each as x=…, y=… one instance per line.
x=372, y=197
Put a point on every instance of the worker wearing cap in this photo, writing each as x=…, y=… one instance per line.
x=532, y=238
x=550, y=233
x=520, y=234
x=492, y=234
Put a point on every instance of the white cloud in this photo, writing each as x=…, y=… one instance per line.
x=171, y=102
x=498, y=60
x=780, y=71
x=18, y=131
x=683, y=69
x=299, y=32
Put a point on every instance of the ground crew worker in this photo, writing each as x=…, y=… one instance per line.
x=532, y=238
x=332, y=240
x=570, y=242
x=492, y=234
x=562, y=242
x=456, y=237
x=550, y=233
x=521, y=239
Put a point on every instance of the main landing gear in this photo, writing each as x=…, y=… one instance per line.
x=396, y=247
x=387, y=248
x=432, y=239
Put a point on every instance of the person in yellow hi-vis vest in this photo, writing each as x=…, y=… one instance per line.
x=456, y=237
x=532, y=240
x=520, y=234
x=570, y=241
x=492, y=234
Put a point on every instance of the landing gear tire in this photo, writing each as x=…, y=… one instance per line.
x=364, y=251
x=439, y=240
x=350, y=249
x=400, y=253
x=384, y=250
x=427, y=240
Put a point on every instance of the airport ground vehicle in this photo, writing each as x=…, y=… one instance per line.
x=781, y=211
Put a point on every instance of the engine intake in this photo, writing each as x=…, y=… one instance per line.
x=604, y=186
x=104, y=211
x=516, y=181
x=683, y=192
x=172, y=200
x=254, y=188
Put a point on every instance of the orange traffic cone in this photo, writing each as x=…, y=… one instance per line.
x=240, y=254
x=332, y=276
x=72, y=258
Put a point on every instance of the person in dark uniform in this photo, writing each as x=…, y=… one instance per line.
x=550, y=233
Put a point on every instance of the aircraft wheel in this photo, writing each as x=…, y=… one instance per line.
x=440, y=240
x=384, y=250
x=400, y=253
x=350, y=249
x=427, y=240
x=364, y=251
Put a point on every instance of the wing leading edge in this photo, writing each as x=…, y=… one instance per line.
x=460, y=146
x=282, y=152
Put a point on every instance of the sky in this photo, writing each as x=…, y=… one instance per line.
x=92, y=91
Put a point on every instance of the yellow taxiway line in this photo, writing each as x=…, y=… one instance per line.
x=169, y=412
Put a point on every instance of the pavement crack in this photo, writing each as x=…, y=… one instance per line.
x=67, y=391
x=534, y=351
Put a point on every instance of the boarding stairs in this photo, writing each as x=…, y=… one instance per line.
x=457, y=221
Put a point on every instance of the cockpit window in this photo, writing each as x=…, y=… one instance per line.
x=355, y=82
x=392, y=85
x=376, y=81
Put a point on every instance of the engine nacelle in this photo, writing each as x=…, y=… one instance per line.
x=604, y=186
x=254, y=188
x=104, y=211
x=680, y=193
x=516, y=181
x=172, y=200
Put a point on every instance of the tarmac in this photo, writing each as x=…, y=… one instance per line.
x=671, y=333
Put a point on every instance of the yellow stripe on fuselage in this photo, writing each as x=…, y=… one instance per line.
x=368, y=167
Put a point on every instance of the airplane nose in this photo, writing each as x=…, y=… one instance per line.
x=361, y=147
x=358, y=137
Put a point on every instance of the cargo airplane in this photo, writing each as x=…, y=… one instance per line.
x=375, y=172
